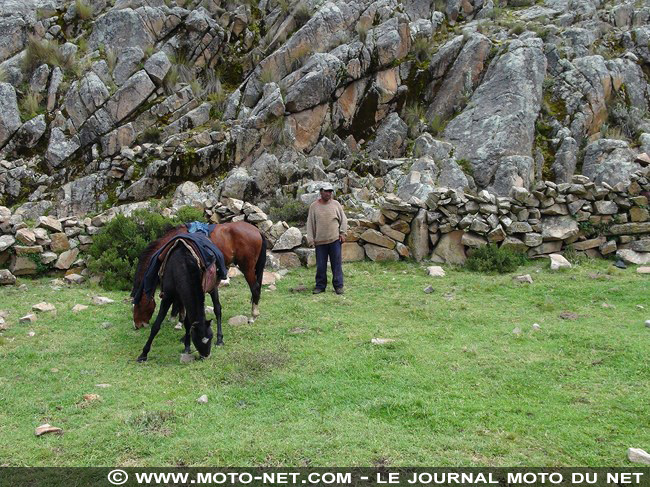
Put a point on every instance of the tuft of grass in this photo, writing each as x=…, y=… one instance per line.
x=3, y=75
x=197, y=88
x=362, y=31
x=83, y=10
x=42, y=51
x=422, y=48
x=111, y=59
x=302, y=14
x=149, y=51
x=212, y=84
x=414, y=113
x=268, y=75
x=290, y=210
x=151, y=135
x=30, y=105
x=170, y=80
x=184, y=66
x=276, y=129
x=437, y=125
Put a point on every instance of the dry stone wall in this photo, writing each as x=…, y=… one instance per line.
x=597, y=220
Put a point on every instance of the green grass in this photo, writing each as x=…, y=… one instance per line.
x=456, y=388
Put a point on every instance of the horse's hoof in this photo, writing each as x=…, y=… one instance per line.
x=219, y=344
x=251, y=320
x=142, y=358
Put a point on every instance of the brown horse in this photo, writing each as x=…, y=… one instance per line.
x=241, y=243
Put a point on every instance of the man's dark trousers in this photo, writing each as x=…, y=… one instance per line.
x=333, y=251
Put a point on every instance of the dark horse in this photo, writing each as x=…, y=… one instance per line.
x=241, y=243
x=181, y=285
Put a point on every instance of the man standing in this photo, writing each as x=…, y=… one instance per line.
x=326, y=228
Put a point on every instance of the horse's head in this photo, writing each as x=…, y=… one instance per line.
x=202, y=337
x=143, y=311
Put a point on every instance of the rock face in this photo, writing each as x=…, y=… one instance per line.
x=609, y=161
x=500, y=118
x=9, y=115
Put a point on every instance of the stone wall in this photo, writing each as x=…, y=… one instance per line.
x=597, y=220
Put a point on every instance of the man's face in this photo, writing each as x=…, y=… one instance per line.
x=326, y=195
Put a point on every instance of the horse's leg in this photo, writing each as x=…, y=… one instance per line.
x=214, y=294
x=256, y=290
x=186, y=339
x=164, y=307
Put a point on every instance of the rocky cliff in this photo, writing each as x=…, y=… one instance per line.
x=111, y=102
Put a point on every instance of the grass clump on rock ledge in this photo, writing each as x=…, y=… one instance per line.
x=491, y=258
x=115, y=250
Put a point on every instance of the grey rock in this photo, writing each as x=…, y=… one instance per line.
x=313, y=83
x=65, y=260
x=9, y=115
x=289, y=240
x=265, y=173
x=380, y=254
x=271, y=106
x=120, y=29
x=127, y=63
x=60, y=147
x=426, y=145
x=30, y=132
x=38, y=83
x=14, y=35
x=559, y=228
x=237, y=184
x=157, y=67
x=633, y=257
x=390, y=137
x=450, y=249
x=53, y=88
x=499, y=120
x=565, y=160
x=130, y=96
x=92, y=92
x=6, y=241
x=609, y=161
x=7, y=278
x=418, y=238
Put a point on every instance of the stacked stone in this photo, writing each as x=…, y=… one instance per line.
x=49, y=242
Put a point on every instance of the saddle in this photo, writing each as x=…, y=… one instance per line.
x=208, y=276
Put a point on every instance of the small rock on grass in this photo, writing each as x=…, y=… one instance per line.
x=91, y=397
x=79, y=307
x=106, y=325
x=74, y=279
x=30, y=318
x=381, y=341
x=43, y=307
x=435, y=271
x=4, y=314
x=559, y=262
x=179, y=326
x=298, y=330
x=102, y=386
x=516, y=331
x=101, y=300
x=647, y=323
x=31, y=334
x=569, y=315
x=526, y=279
x=186, y=358
x=238, y=320
x=637, y=455
x=272, y=287
x=47, y=428
x=428, y=289
x=301, y=288
x=203, y=399
x=643, y=270
x=536, y=327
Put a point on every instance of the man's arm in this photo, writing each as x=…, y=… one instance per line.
x=311, y=226
x=343, y=226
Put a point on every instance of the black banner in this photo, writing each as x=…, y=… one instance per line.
x=334, y=477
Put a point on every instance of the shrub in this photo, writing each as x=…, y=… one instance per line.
x=292, y=211
x=491, y=258
x=151, y=135
x=115, y=250
x=302, y=14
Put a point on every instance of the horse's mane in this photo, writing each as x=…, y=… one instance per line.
x=145, y=255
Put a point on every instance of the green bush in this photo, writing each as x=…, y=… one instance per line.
x=294, y=212
x=491, y=258
x=115, y=250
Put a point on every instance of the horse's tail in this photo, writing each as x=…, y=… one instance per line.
x=259, y=270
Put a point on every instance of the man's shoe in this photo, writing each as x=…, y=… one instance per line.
x=338, y=290
x=318, y=290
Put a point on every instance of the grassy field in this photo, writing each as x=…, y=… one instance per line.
x=304, y=386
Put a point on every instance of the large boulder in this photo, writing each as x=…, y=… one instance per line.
x=130, y=96
x=157, y=67
x=609, y=161
x=60, y=147
x=119, y=29
x=9, y=115
x=559, y=228
x=390, y=137
x=565, y=160
x=450, y=249
x=237, y=184
x=418, y=238
x=499, y=121
x=312, y=84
